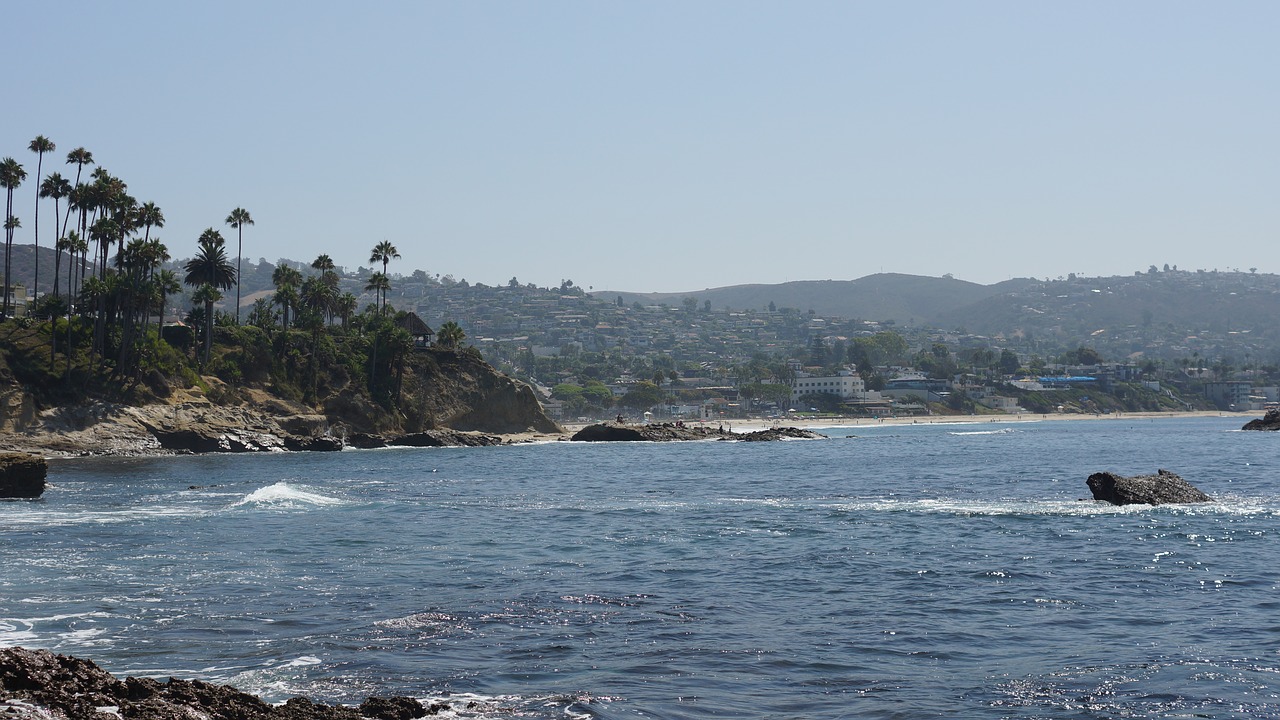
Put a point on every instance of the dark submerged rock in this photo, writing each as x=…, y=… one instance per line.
x=1270, y=421
x=1160, y=489
x=22, y=475
x=76, y=688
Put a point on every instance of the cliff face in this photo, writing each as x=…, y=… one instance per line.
x=459, y=390
x=439, y=390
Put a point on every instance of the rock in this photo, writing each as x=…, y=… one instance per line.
x=202, y=438
x=22, y=475
x=782, y=433
x=322, y=443
x=445, y=438
x=63, y=686
x=1270, y=421
x=669, y=432
x=366, y=441
x=1162, y=488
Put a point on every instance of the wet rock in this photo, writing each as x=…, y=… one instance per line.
x=366, y=441
x=1270, y=421
x=670, y=432
x=445, y=438
x=22, y=475
x=781, y=433
x=322, y=443
x=1160, y=489
x=61, y=686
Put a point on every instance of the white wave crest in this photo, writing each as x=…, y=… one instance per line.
x=1001, y=431
x=284, y=495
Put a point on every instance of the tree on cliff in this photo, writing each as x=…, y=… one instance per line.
x=210, y=268
x=40, y=145
x=450, y=335
x=57, y=187
x=11, y=176
x=238, y=219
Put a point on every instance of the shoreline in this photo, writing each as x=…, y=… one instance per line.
x=125, y=437
x=745, y=425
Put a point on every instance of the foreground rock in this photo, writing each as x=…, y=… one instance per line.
x=1270, y=421
x=1160, y=489
x=39, y=684
x=669, y=432
x=22, y=475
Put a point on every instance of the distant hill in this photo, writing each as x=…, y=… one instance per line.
x=904, y=299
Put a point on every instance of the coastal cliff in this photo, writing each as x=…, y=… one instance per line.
x=451, y=393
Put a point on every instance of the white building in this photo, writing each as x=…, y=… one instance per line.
x=847, y=385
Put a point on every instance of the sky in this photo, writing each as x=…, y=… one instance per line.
x=673, y=146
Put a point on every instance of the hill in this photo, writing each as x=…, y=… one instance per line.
x=904, y=299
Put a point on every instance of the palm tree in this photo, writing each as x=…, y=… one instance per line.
x=325, y=265
x=286, y=280
x=379, y=283
x=79, y=157
x=210, y=268
x=149, y=215
x=57, y=187
x=39, y=146
x=346, y=305
x=77, y=247
x=167, y=284
x=238, y=219
x=11, y=176
x=450, y=335
x=383, y=252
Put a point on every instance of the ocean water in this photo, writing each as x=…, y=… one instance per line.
x=899, y=572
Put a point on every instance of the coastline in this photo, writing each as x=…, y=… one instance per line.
x=126, y=432
x=752, y=424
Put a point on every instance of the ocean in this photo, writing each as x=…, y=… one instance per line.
x=908, y=571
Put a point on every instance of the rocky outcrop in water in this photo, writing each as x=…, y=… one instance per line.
x=1160, y=489
x=1270, y=421
x=22, y=475
x=669, y=432
x=38, y=684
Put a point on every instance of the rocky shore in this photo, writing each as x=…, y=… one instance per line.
x=669, y=432
x=198, y=426
x=36, y=684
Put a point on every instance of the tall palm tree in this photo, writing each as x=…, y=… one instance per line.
x=149, y=216
x=383, y=252
x=57, y=187
x=78, y=157
x=238, y=219
x=210, y=268
x=11, y=176
x=39, y=146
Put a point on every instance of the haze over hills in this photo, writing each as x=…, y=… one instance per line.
x=904, y=299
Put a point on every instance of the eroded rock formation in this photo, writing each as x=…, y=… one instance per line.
x=1160, y=489
x=22, y=475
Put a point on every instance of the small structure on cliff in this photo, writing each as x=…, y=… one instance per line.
x=417, y=329
x=1160, y=489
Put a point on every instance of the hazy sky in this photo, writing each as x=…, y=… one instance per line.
x=672, y=146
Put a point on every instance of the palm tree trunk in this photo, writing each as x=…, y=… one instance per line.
x=208, y=329
x=35, y=280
